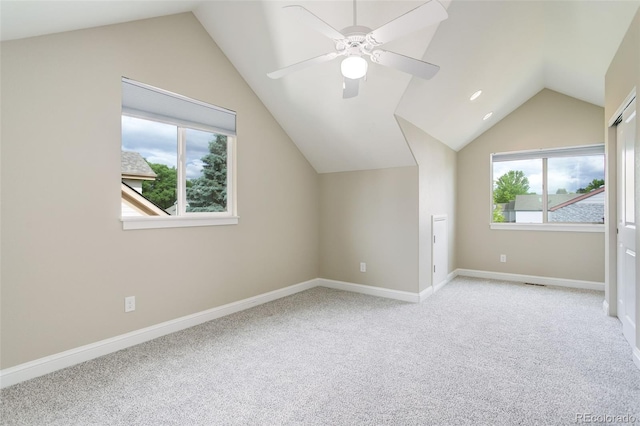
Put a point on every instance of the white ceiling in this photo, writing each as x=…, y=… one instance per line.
x=509, y=49
x=512, y=50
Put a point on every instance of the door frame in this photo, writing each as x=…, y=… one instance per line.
x=611, y=243
x=610, y=303
x=627, y=235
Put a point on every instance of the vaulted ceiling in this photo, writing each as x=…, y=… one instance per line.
x=508, y=49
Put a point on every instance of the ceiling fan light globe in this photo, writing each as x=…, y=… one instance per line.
x=354, y=67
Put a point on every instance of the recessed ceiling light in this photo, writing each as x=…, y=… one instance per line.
x=476, y=95
x=487, y=116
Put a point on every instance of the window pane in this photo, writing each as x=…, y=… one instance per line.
x=149, y=161
x=576, y=189
x=206, y=171
x=517, y=191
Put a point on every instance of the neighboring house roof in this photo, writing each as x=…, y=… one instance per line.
x=135, y=167
x=533, y=202
x=580, y=197
x=136, y=201
x=585, y=208
x=578, y=213
x=567, y=208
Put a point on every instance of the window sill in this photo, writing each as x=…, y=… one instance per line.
x=129, y=223
x=554, y=227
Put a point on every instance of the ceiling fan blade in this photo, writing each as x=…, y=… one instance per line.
x=314, y=22
x=429, y=13
x=404, y=63
x=302, y=65
x=350, y=87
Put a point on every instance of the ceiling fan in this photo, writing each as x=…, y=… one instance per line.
x=355, y=43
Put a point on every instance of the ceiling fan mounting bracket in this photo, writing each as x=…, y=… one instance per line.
x=356, y=30
x=355, y=41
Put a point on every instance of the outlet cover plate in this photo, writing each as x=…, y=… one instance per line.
x=130, y=304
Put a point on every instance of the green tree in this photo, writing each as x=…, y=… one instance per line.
x=594, y=184
x=509, y=185
x=208, y=193
x=561, y=191
x=162, y=190
x=498, y=217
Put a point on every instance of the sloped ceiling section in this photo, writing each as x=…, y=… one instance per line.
x=511, y=51
x=335, y=134
x=31, y=18
x=508, y=49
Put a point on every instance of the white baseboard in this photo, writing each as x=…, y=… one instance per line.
x=426, y=293
x=533, y=279
x=405, y=296
x=437, y=287
x=450, y=276
x=49, y=364
x=605, y=307
x=636, y=357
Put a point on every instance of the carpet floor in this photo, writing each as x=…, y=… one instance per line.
x=476, y=352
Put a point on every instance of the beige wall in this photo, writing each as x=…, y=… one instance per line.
x=622, y=77
x=437, y=193
x=370, y=216
x=67, y=264
x=547, y=120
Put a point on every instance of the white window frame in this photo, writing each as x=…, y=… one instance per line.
x=544, y=154
x=184, y=218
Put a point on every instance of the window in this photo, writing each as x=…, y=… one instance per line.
x=543, y=189
x=177, y=160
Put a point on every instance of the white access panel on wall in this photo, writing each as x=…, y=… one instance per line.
x=439, y=250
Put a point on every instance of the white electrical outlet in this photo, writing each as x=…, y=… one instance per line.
x=130, y=304
x=363, y=267
x=503, y=258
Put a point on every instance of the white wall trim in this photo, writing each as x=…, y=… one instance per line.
x=437, y=287
x=627, y=101
x=405, y=296
x=158, y=222
x=49, y=364
x=426, y=293
x=605, y=307
x=450, y=276
x=560, y=282
x=636, y=357
x=553, y=227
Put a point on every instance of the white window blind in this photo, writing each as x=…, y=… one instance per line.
x=144, y=101
x=550, y=153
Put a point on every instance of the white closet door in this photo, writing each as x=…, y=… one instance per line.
x=625, y=142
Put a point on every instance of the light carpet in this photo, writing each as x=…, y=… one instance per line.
x=476, y=352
